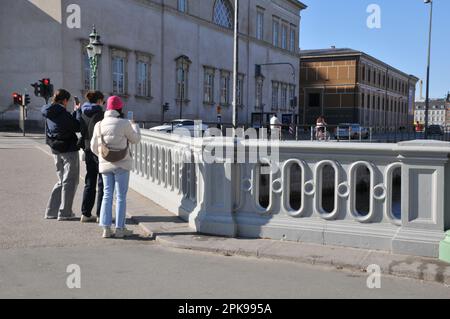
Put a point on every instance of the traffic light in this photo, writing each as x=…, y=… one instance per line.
x=46, y=89
x=166, y=107
x=27, y=99
x=17, y=98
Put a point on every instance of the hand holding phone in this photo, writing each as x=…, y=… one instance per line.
x=77, y=103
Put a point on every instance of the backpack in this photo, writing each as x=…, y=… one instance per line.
x=107, y=153
x=87, y=129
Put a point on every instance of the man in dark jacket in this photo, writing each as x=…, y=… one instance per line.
x=90, y=114
x=61, y=128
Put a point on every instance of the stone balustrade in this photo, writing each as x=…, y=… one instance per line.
x=392, y=197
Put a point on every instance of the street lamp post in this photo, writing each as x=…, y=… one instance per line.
x=427, y=102
x=235, y=65
x=94, y=51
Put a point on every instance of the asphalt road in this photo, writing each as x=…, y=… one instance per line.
x=35, y=254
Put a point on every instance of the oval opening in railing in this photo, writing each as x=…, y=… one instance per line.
x=328, y=191
x=264, y=185
x=362, y=192
x=396, y=204
x=295, y=187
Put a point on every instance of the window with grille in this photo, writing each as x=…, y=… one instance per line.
x=182, y=78
x=292, y=39
x=225, y=88
x=118, y=73
x=275, y=32
x=143, y=73
x=260, y=25
x=284, y=31
x=209, y=86
x=223, y=14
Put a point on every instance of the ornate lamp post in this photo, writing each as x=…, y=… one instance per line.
x=94, y=51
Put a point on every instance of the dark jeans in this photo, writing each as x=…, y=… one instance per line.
x=93, y=178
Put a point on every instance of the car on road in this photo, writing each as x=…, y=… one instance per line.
x=351, y=131
x=435, y=130
x=180, y=126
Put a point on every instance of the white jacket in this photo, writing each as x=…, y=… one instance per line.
x=116, y=132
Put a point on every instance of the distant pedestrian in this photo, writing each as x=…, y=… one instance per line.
x=110, y=142
x=275, y=127
x=89, y=115
x=61, y=129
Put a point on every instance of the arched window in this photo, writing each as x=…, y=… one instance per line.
x=223, y=13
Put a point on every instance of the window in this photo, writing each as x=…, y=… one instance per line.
x=223, y=14
x=240, y=90
x=182, y=5
x=259, y=91
x=363, y=72
x=292, y=41
x=275, y=32
x=86, y=72
x=275, y=86
x=260, y=25
x=284, y=96
x=314, y=100
x=182, y=71
x=284, y=31
x=119, y=62
x=209, y=86
x=143, y=73
x=225, y=80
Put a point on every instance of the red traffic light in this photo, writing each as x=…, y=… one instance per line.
x=15, y=95
x=46, y=81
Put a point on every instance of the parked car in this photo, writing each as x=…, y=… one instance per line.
x=180, y=125
x=435, y=130
x=354, y=130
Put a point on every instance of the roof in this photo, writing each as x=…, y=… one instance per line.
x=299, y=4
x=347, y=52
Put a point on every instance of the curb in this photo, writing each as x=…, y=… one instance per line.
x=340, y=258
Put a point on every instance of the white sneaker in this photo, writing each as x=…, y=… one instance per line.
x=121, y=233
x=85, y=219
x=66, y=218
x=107, y=232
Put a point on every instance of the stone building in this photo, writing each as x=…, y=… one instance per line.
x=438, y=113
x=156, y=51
x=349, y=86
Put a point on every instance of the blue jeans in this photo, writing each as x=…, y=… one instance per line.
x=118, y=181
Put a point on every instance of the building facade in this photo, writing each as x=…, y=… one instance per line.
x=348, y=86
x=178, y=52
x=438, y=113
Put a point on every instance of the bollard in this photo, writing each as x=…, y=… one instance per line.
x=312, y=133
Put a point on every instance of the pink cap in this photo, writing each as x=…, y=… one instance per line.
x=114, y=103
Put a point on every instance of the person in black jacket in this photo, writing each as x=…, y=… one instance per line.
x=88, y=115
x=61, y=129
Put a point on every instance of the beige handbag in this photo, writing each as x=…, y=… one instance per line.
x=109, y=154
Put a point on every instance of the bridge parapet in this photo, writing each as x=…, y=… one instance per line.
x=392, y=197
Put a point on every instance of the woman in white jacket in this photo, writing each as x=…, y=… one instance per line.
x=117, y=134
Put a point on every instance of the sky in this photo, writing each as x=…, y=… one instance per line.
x=401, y=41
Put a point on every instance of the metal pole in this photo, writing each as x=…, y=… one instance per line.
x=235, y=64
x=427, y=103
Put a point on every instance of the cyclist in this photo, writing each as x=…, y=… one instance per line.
x=320, y=128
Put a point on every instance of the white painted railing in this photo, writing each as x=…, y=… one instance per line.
x=314, y=196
